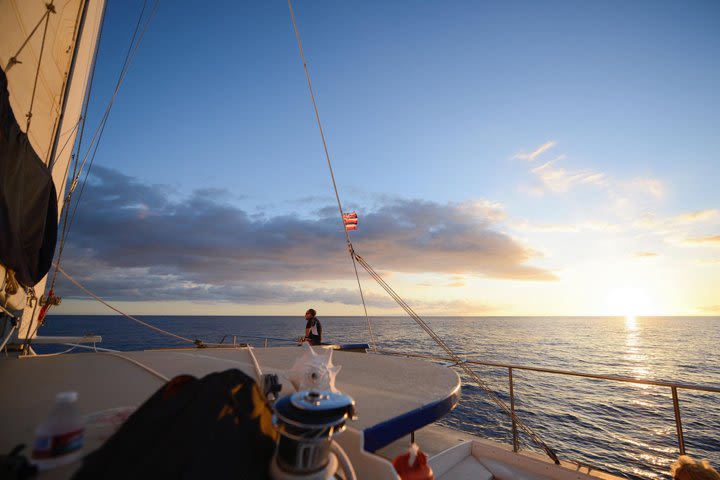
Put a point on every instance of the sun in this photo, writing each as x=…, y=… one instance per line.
x=628, y=301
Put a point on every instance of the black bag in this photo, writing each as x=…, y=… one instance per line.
x=217, y=427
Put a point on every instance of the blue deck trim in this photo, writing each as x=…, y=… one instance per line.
x=388, y=431
x=353, y=346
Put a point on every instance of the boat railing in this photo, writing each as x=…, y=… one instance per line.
x=673, y=386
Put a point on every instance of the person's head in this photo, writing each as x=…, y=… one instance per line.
x=685, y=468
x=310, y=313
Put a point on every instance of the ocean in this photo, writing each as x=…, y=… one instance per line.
x=622, y=428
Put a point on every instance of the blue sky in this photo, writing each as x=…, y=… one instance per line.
x=527, y=157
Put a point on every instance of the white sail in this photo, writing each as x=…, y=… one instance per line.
x=48, y=78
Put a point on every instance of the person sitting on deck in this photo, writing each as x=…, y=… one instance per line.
x=685, y=468
x=313, y=329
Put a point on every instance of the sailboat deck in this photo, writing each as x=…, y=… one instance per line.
x=393, y=395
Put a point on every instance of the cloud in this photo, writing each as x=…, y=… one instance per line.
x=132, y=241
x=647, y=186
x=711, y=309
x=675, y=228
x=645, y=254
x=596, y=226
x=558, y=180
x=710, y=261
x=695, y=216
x=536, y=153
x=712, y=240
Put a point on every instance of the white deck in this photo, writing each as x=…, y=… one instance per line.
x=383, y=387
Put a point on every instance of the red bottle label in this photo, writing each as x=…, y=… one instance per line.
x=58, y=445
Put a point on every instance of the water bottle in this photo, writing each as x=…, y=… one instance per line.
x=59, y=438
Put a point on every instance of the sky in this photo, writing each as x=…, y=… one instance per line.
x=504, y=158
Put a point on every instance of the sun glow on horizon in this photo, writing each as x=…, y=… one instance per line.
x=628, y=301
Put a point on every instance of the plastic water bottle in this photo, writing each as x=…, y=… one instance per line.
x=59, y=438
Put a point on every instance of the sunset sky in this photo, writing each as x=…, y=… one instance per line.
x=504, y=158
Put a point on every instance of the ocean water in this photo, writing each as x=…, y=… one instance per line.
x=625, y=429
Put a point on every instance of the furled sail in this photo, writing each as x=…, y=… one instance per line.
x=46, y=53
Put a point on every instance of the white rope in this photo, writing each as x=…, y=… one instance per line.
x=44, y=355
x=141, y=365
x=344, y=460
x=258, y=371
x=152, y=327
x=94, y=348
x=332, y=175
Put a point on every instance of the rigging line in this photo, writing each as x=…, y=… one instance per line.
x=13, y=60
x=101, y=129
x=28, y=338
x=50, y=8
x=83, y=116
x=373, y=342
x=329, y=163
x=152, y=327
x=77, y=172
x=456, y=358
x=317, y=117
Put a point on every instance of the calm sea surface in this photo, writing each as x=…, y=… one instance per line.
x=622, y=428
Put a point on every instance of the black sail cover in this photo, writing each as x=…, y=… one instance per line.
x=28, y=201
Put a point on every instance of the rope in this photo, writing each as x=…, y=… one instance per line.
x=50, y=8
x=468, y=371
x=152, y=327
x=329, y=163
x=77, y=172
x=44, y=355
x=13, y=60
x=86, y=104
x=141, y=365
x=256, y=366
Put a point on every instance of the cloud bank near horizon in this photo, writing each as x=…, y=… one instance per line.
x=133, y=241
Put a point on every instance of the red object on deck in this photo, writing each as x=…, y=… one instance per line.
x=419, y=470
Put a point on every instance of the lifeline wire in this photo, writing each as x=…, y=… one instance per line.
x=456, y=358
x=152, y=327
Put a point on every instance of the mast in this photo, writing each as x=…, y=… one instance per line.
x=47, y=51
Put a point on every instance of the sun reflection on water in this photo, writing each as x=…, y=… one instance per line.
x=634, y=353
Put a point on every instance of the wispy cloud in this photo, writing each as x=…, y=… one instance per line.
x=710, y=261
x=675, y=225
x=557, y=179
x=711, y=308
x=596, y=226
x=645, y=254
x=712, y=240
x=196, y=247
x=645, y=186
x=535, y=153
x=696, y=216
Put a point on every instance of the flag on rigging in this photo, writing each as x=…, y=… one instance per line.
x=350, y=220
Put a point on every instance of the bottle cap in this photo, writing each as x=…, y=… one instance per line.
x=66, y=397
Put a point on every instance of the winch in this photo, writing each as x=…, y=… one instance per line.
x=307, y=421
